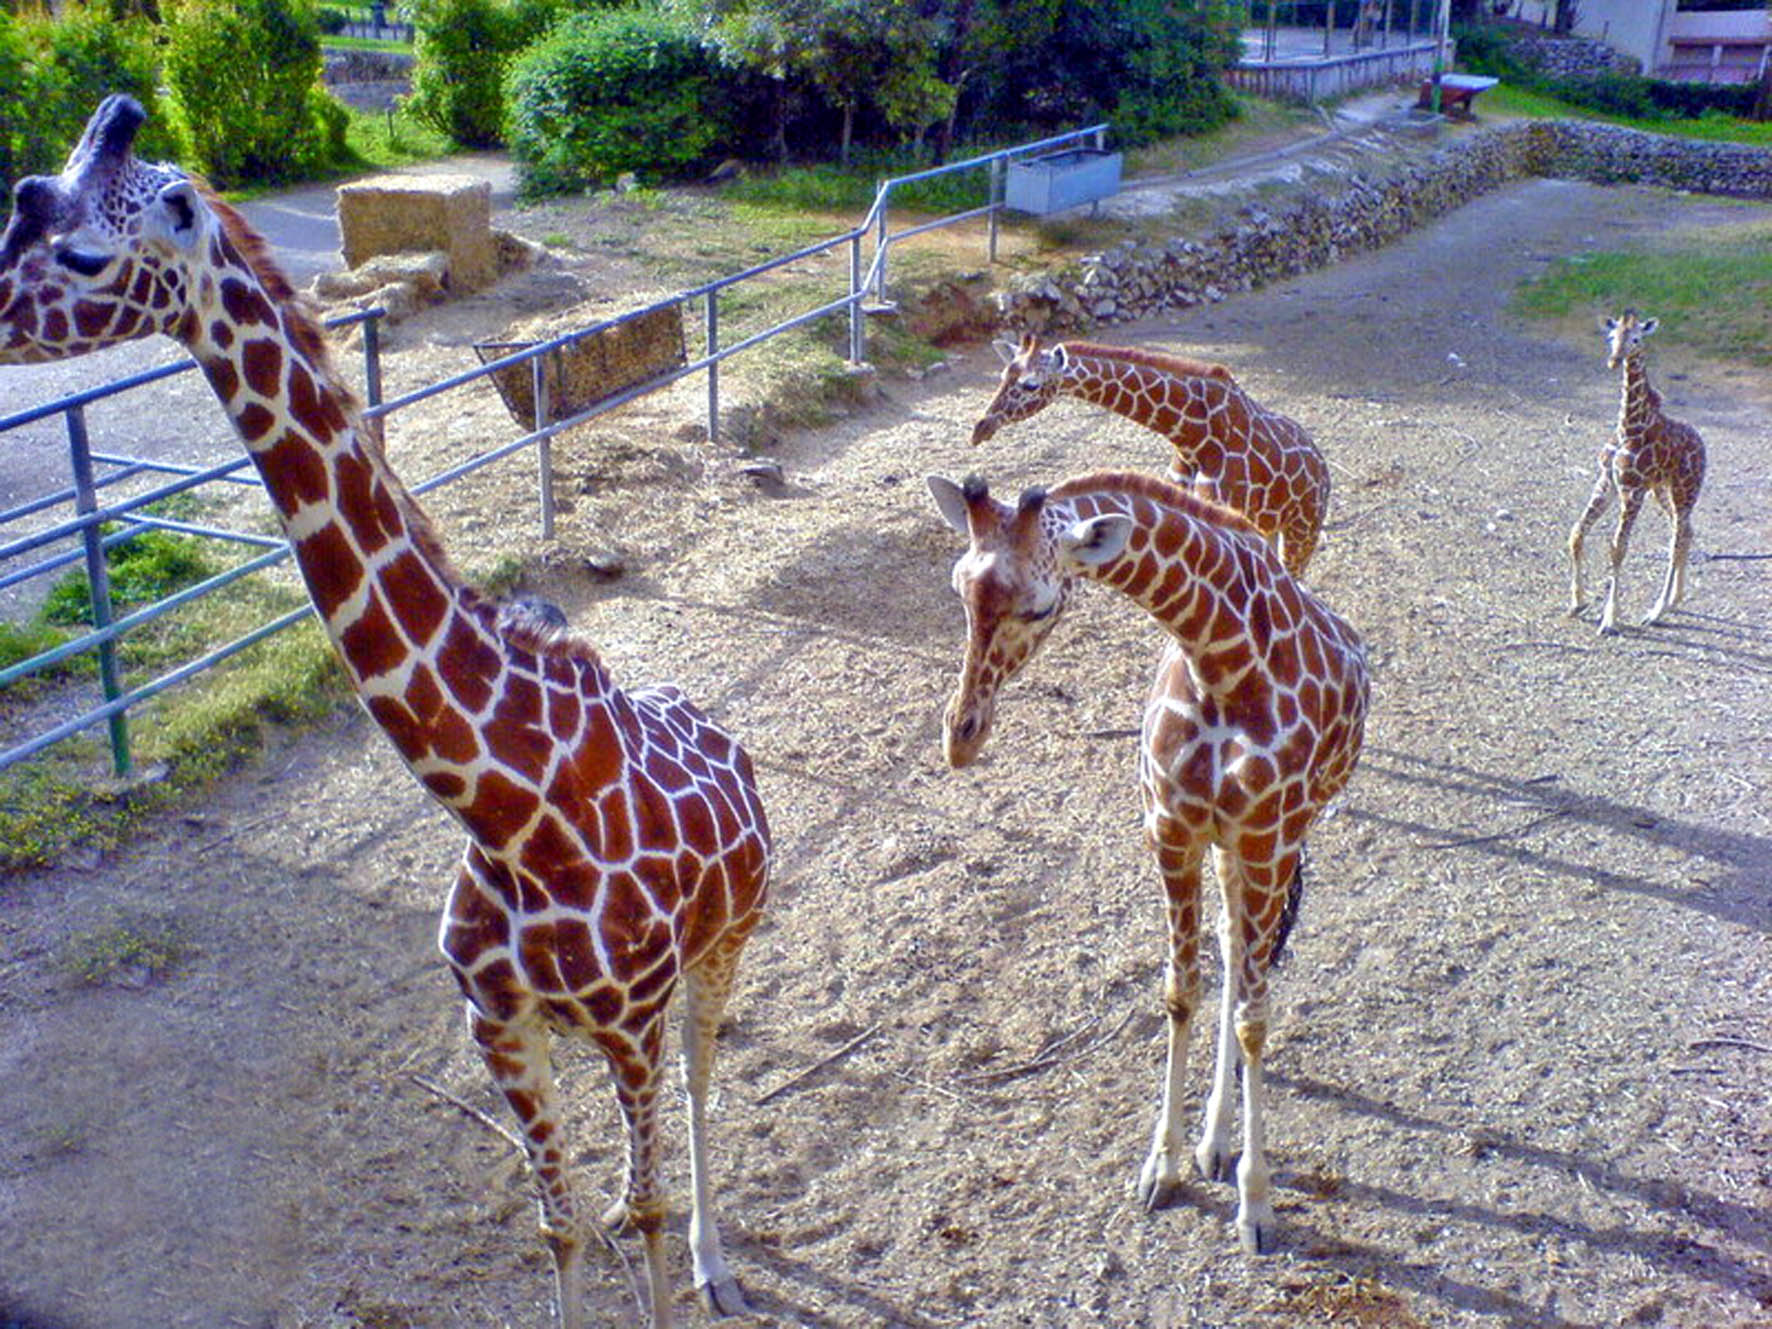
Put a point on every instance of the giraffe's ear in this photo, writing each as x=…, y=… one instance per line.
x=951, y=500
x=1648, y=325
x=176, y=215
x=1004, y=348
x=1608, y=327
x=1097, y=540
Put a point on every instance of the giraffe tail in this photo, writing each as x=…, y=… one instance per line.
x=1289, y=911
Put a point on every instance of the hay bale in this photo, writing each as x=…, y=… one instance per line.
x=590, y=369
x=395, y=214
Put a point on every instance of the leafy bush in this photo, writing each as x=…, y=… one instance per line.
x=245, y=83
x=63, y=67
x=604, y=93
x=331, y=21
x=464, y=50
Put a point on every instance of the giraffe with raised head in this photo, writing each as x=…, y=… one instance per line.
x=616, y=842
x=1650, y=453
x=1228, y=447
x=1253, y=724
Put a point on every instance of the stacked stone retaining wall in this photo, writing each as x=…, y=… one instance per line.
x=1139, y=279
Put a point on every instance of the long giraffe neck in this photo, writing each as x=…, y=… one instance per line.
x=463, y=698
x=1640, y=405
x=1206, y=576
x=1178, y=405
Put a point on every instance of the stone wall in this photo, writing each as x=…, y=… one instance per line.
x=1570, y=57
x=1138, y=279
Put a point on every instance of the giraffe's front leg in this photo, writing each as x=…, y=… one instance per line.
x=1630, y=502
x=1596, y=504
x=634, y=1054
x=1214, y=1155
x=517, y=1057
x=1179, y=862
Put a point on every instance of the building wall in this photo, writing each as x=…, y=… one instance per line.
x=1636, y=27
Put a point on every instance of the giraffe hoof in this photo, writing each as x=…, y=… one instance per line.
x=1257, y=1236
x=1608, y=629
x=1157, y=1188
x=723, y=1296
x=1215, y=1162
x=616, y=1221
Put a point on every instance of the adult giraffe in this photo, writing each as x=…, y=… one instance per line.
x=1228, y=447
x=1650, y=453
x=1254, y=722
x=616, y=841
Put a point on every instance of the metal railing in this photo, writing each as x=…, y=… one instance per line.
x=866, y=293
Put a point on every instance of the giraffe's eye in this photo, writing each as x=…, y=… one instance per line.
x=82, y=261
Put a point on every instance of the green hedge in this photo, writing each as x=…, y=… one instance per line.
x=603, y=93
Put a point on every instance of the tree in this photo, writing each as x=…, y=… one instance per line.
x=858, y=54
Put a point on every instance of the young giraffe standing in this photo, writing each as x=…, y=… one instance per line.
x=1254, y=722
x=1650, y=453
x=1231, y=449
x=616, y=840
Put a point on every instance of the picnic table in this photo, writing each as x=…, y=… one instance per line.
x=1456, y=92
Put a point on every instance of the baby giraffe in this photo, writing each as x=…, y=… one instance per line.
x=617, y=848
x=1650, y=453
x=1253, y=724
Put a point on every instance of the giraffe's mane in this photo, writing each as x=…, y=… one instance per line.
x=1158, y=491
x=1168, y=361
x=305, y=333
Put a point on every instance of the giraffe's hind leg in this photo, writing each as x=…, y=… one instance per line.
x=516, y=1054
x=1673, y=586
x=1630, y=502
x=706, y=988
x=1180, y=866
x=1596, y=504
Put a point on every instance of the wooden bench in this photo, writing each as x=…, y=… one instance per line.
x=1456, y=93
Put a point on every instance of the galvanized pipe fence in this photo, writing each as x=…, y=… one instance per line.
x=82, y=538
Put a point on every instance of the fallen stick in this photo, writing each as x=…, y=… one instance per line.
x=819, y=1065
x=1703, y=1043
x=461, y=1105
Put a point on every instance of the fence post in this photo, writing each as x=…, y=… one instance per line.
x=713, y=322
x=372, y=360
x=999, y=172
x=880, y=253
x=98, y=579
x=858, y=328
x=544, y=450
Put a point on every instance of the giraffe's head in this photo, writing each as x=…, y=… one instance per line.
x=101, y=253
x=1032, y=374
x=1624, y=336
x=1014, y=581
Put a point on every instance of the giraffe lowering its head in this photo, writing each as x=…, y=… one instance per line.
x=1253, y=724
x=617, y=845
x=1650, y=453
x=1228, y=447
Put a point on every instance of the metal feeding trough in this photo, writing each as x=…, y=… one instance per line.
x=641, y=347
x=1061, y=180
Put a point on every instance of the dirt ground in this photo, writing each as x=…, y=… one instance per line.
x=1521, y=1049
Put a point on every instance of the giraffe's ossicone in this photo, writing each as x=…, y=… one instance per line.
x=1253, y=723
x=1229, y=448
x=1650, y=453
x=617, y=844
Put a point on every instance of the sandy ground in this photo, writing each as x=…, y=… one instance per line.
x=1521, y=1044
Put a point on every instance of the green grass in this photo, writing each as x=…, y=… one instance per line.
x=1505, y=101
x=1711, y=289
x=132, y=952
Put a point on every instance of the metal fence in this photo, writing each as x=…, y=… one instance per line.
x=82, y=539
